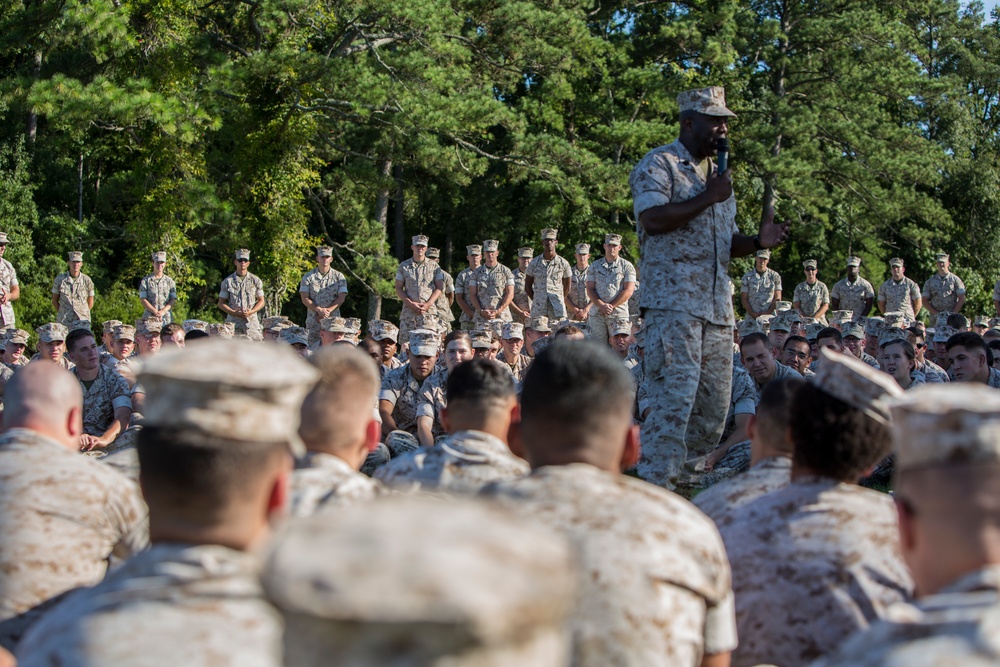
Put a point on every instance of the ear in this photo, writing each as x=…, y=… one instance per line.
x=74, y=421
x=373, y=435
x=633, y=448
x=278, y=498
x=907, y=529
x=445, y=420
x=514, y=439
x=752, y=427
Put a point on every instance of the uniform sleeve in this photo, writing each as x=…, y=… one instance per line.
x=303, y=285
x=120, y=393
x=259, y=284
x=567, y=270
x=399, y=276
x=869, y=290
x=826, y=294
x=720, y=626
x=510, y=277
x=224, y=290
x=745, y=284
x=881, y=292
x=460, y=283
x=961, y=286
x=128, y=515
x=55, y=285
x=914, y=291
x=651, y=183
x=172, y=292
x=777, y=282
x=342, y=285
x=90, y=287
x=143, y=289
x=926, y=291
x=796, y=295
x=13, y=276
x=629, y=273
x=425, y=400
x=390, y=391
x=835, y=292
x=439, y=274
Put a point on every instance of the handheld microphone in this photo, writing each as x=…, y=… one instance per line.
x=722, y=157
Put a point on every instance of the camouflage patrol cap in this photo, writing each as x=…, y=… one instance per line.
x=853, y=261
x=226, y=330
x=159, y=256
x=941, y=257
x=946, y=424
x=981, y=321
x=513, y=331
x=896, y=261
x=853, y=329
x=747, y=327
x=765, y=321
x=324, y=251
x=550, y=234
x=841, y=316
x=995, y=323
x=538, y=324
x=473, y=250
x=125, y=332
x=891, y=334
x=781, y=323
x=276, y=323
x=75, y=256
x=847, y=378
x=942, y=318
x=942, y=334
x=3, y=238
x=809, y=264
x=424, y=343
x=108, y=326
x=525, y=252
x=481, y=339
x=334, y=325
x=355, y=587
x=16, y=336
x=294, y=335
x=195, y=325
x=812, y=331
x=496, y=326
x=220, y=388
x=79, y=325
x=873, y=325
x=783, y=306
x=433, y=253
x=149, y=327
x=582, y=248
x=419, y=239
x=384, y=330
x=428, y=321
x=242, y=253
x=709, y=101
x=619, y=327
x=50, y=332
x=896, y=318
x=491, y=245
x=353, y=325
x=613, y=239
x=763, y=254
x=640, y=337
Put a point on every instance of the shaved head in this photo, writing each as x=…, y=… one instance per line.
x=44, y=397
x=337, y=411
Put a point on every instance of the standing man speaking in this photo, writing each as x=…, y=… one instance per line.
x=686, y=222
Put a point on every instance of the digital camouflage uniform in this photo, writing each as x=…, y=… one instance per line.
x=322, y=290
x=431, y=400
x=609, y=279
x=760, y=288
x=520, y=296
x=932, y=372
x=243, y=293
x=178, y=604
x=490, y=286
x=443, y=310
x=548, y=275
x=461, y=463
x=419, y=282
x=744, y=397
x=61, y=516
x=323, y=480
x=942, y=292
x=646, y=596
x=813, y=563
x=159, y=292
x=578, y=287
x=853, y=296
x=394, y=363
x=811, y=298
x=899, y=297
x=461, y=287
x=723, y=499
x=73, y=294
x=688, y=314
x=402, y=390
x=958, y=625
x=8, y=279
x=107, y=393
x=518, y=368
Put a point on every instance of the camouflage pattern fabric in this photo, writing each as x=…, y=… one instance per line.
x=760, y=288
x=402, y=390
x=432, y=399
x=158, y=291
x=942, y=292
x=322, y=290
x=323, y=480
x=811, y=297
x=609, y=279
x=548, y=275
x=578, y=287
x=899, y=297
x=243, y=293
x=8, y=279
x=461, y=287
x=107, y=393
x=520, y=296
x=73, y=295
x=491, y=283
x=853, y=295
x=723, y=499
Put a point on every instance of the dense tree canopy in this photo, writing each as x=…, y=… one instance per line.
x=201, y=126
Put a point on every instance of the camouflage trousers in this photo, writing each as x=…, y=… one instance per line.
x=688, y=366
x=548, y=305
x=736, y=461
x=247, y=328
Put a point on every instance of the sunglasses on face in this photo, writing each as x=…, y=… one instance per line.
x=242, y=260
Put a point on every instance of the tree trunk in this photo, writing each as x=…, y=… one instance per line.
x=397, y=214
x=36, y=73
x=381, y=217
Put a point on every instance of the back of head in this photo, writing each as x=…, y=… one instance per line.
x=577, y=395
x=40, y=396
x=478, y=391
x=970, y=340
x=774, y=415
x=337, y=410
x=422, y=582
x=958, y=321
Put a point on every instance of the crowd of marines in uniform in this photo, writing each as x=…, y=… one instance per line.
x=436, y=495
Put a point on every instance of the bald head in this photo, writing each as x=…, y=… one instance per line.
x=45, y=398
x=337, y=412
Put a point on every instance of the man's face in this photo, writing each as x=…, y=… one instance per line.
x=387, y=349
x=810, y=276
x=918, y=348
x=301, y=349
x=796, y=355
x=830, y=344
x=940, y=350
x=52, y=350
x=149, y=343
x=330, y=337
x=549, y=246
x=620, y=343
x=490, y=258
x=13, y=352
x=942, y=266
x=967, y=365
x=897, y=273
x=458, y=350
x=855, y=345
x=760, y=263
x=582, y=260
x=242, y=266
x=271, y=335
x=611, y=251
x=323, y=262
x=852, y=273
x=495, y=349
x=176, y=339
x=3, y=247
x=74, y=268
x=421, y=365
x=522, y=263
x=706, y=132
x=474, y=261
x=511, y=348
x=419, y=252
x=121, y=348
x=758, y=361
x=777, y=338
x=158, y=267
x=85, y=353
